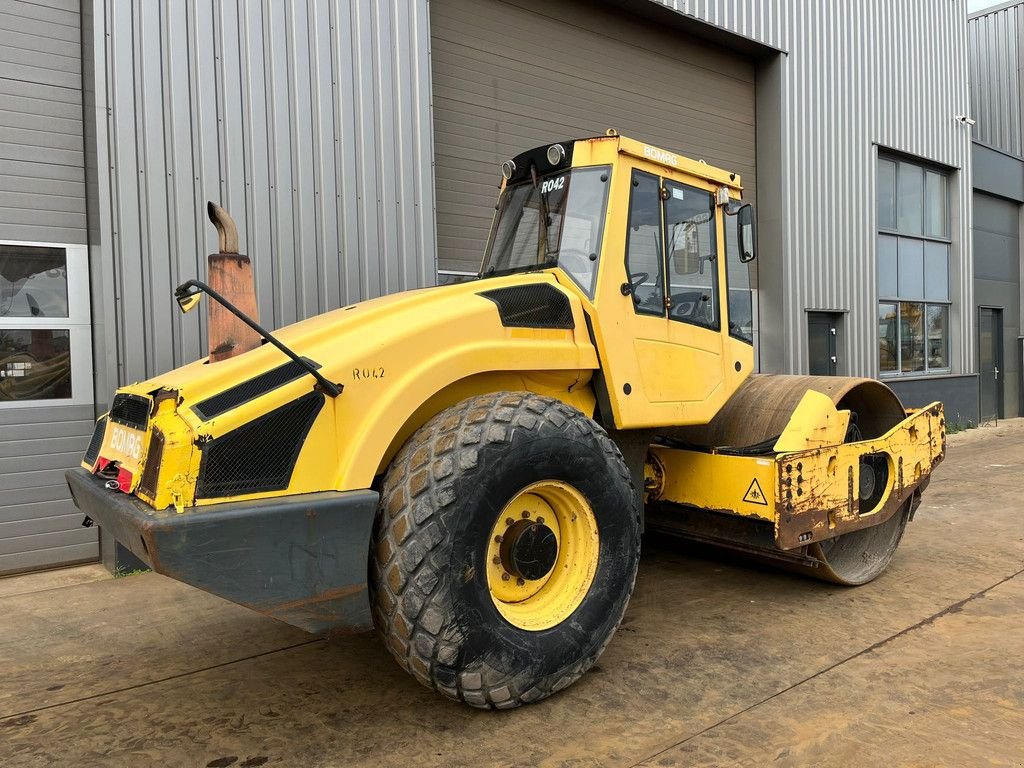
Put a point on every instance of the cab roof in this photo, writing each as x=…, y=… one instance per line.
x=538, y=158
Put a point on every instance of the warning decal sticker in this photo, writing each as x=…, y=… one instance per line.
x=754, y=494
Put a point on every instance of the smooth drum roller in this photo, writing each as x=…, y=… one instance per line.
x=758, y=413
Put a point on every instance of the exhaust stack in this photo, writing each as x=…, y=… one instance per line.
x=230, y=273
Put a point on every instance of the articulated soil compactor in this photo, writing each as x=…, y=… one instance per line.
x=470, y=467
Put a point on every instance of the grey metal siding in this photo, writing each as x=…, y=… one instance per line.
x=308, y=121
x=42, y=198
x=997, y=281
x=39, y=525
x=574, y=70
x=42, y=182
x=855, y=76
x=994, y=45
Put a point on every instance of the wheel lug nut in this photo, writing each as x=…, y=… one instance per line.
x=509, y=521
x=526, y=513
x=497, y=539
x=540, y=520
x=520, y=582
x=496, y=560
x=505, y=577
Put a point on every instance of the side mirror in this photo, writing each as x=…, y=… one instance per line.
x=187, y=300
x=747, y=233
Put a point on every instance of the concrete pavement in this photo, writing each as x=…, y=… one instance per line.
x=718, y=662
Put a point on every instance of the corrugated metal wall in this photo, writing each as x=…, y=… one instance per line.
x=994, y=43
x=39, y=524
x=490, y=105
x=42, y=199
x=309, y=121
x=888, y=73
x=42, y=181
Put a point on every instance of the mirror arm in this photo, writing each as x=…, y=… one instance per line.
x=183, y=290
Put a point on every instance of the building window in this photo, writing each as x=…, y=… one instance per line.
x=913, y=268
x=45, y=344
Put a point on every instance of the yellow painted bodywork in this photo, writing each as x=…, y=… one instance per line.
x=809, y=493
x=677, y=373
x=400, y=359
x=814, y=424
x=403, y=358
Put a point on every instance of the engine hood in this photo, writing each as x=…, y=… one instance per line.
x=390, y=356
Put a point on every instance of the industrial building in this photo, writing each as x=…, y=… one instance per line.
x=358, y=146
x=996, y=58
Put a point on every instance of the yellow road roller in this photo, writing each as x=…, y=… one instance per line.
x=469, y=468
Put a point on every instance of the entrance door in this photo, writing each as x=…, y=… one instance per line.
x=822, y=337
x=990, y=362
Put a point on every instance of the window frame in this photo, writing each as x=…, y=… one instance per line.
x=752, y=292
x=633, y=188
x=78, y=323
x=924, y=238
x=712, y=267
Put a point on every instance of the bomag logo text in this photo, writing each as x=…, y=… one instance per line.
x=660, y=156
x=125, y=442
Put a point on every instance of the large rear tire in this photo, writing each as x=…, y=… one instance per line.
x=505, y=549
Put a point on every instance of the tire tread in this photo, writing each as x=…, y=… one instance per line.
x=409, y=571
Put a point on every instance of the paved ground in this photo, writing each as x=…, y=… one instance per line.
x=717, y=663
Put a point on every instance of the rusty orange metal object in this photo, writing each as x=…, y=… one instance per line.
x=230, y=274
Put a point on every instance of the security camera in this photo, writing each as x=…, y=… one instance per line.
x=966, y=120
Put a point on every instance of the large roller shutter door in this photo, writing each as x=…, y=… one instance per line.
x=516, y=74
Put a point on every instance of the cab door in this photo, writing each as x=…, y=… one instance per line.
x=695, y=313
x=660, y=359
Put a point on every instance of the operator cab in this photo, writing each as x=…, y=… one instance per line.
x=657, y=247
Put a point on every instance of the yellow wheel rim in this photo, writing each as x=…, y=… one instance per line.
x=542, y=555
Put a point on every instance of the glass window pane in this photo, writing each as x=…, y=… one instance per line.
x=33, y=281
x=938, y=336
x=35, y=364
x=888, y=338
x=911, y=337
x=644, y=255
x=580, y=246
x=910, y=203
x=911, y=269
x=886, y=194
x=935, y=204
x=741, y=279
x=936, y=271
x=693, y=262
x=887, y=287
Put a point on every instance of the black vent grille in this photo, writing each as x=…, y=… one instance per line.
x=130, y=410
x=93, y=451
x=258, y=456
x=251, y=389
x=532, y=306
x=151, y=473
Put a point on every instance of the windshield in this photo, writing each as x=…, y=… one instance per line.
x=557, y=221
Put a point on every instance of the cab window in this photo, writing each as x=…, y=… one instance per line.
x=740, y=281
x=644, y=254
x=692, y=255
